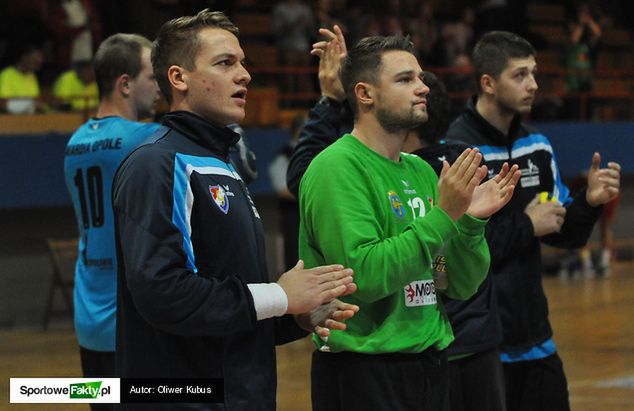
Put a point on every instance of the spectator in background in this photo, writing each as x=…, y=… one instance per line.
x=326, y=13
x=425, y=33
x=584, y=35
x=77, y=87
x=17, y=23
x=19, y=83
x=491, y=15
x=293, y=23
x=457, y=37
x=460, y=81
x=392, y=25
x=75, y=27
x=287, y=203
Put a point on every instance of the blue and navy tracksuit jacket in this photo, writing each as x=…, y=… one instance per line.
x=515, y=251
x=189, y=240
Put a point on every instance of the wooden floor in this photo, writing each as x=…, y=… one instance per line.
x=594, y=331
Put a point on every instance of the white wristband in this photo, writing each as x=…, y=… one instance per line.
x=269, y=299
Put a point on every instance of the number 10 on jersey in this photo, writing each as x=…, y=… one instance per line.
x=93, y=199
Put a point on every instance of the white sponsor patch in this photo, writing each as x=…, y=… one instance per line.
x=530, y=181
x=530, y=175
x=418, y=293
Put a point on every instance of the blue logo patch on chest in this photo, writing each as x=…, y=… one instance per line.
x=396, y=204
x=220, y=197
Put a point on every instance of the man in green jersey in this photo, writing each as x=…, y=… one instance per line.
x=387, y=215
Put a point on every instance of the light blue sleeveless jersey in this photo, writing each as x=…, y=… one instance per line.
x=92, y=157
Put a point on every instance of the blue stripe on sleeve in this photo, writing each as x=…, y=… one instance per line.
x=183, y=198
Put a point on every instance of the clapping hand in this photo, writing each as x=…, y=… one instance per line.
x=491, y=196
x=331, y=53
x=457, y=183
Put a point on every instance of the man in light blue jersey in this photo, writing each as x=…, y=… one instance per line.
x=127, y=91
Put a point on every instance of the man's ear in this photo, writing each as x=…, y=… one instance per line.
x=487, y=84
x=364, y=93
x=177, y=77
x=123, y=85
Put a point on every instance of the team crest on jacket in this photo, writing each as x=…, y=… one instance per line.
x=397, y=205
x=220, y=197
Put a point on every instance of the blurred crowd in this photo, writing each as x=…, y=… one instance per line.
x=46, y=46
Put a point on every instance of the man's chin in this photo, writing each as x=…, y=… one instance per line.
x=525, y=108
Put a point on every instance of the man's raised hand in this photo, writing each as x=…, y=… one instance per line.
x=603, y=183
x=458, y=182
x=331, y=53
x=491, y=196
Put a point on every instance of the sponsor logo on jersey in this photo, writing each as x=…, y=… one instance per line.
x=220, y=195
x=419, y=293
x=530, y=175
x=396, y=204
x=441, y=280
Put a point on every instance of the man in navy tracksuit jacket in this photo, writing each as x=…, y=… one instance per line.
x=194, y=296
x=505, y=66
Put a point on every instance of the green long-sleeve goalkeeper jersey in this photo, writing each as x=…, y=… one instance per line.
x=378, y=217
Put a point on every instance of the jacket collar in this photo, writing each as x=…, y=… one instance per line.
x=218, y=139
x=487, y=129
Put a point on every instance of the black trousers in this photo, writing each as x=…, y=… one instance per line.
x=476, y=383
x=97, y=364
x=382, y=382
x=537, y=385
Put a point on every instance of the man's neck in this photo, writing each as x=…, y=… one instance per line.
x=413, y=143
x=491, y=112
x=110, y=107
x=376, y=138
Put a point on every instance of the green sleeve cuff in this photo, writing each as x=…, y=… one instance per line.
x=470, y=225
x=442, y=223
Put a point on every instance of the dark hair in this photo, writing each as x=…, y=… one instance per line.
x=438, y=111
x=117, y=55
x=493, y=51
x=363, y=62
x=178, y=44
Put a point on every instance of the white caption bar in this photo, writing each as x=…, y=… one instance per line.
x=64, y=390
